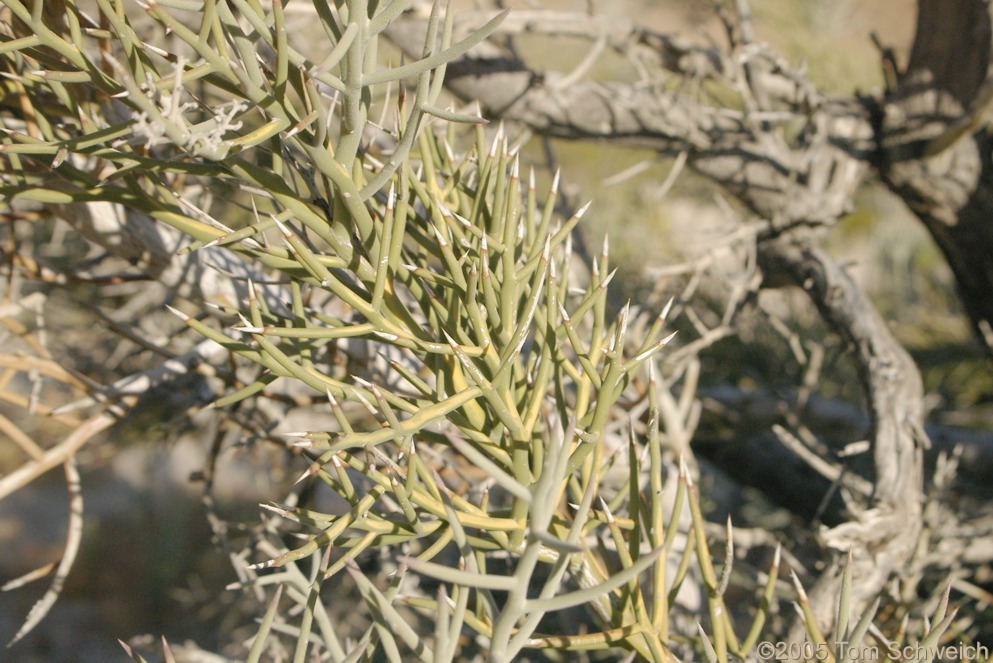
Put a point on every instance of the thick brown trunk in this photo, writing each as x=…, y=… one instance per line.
x=952, y=43
x=957, y=209
x=936, y=151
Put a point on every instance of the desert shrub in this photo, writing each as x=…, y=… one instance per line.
x=501, y=449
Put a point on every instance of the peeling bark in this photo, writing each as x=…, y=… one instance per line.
x=883, y=535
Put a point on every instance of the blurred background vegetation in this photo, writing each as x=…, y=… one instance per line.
x=890, y=253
